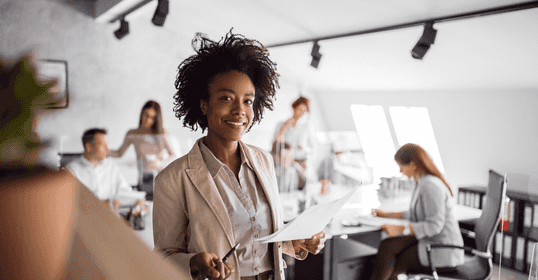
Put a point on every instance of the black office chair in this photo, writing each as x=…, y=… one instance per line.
x=478, y=264
x=65, y=158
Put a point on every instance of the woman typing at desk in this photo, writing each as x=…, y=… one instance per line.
x=432, y=220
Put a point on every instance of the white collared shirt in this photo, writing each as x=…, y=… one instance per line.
x=104, y=180
x=248, y=210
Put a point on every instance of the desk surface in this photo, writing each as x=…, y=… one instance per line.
x=361, y=203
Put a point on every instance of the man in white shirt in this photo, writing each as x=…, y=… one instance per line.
x=101, y=175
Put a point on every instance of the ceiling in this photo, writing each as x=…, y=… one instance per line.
x=488, y=52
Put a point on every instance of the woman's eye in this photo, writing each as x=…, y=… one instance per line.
x=249, y=101
x=225, y=98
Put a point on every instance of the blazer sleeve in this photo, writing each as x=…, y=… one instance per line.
x=433, y=204
x=170, y=220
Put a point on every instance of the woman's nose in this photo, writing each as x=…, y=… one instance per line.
x=239, y=108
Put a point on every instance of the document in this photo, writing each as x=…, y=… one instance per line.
x=310, y=222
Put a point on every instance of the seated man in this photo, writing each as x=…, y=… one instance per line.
x=100, y=174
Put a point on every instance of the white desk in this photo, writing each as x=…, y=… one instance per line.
x=349, y=249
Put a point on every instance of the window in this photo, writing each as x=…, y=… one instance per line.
x=409, y=125
x=413, y=125
x=375, y=137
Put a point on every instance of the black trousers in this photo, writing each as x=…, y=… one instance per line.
x=397, y=255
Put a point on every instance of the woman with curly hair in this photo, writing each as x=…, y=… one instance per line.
x=432, y=218
x=224, y=192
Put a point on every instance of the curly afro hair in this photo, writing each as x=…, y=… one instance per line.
x=234, y=52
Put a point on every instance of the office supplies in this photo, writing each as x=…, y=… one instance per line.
x=228, y=255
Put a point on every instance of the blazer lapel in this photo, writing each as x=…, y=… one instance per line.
x=264, y=176
x=202, y=180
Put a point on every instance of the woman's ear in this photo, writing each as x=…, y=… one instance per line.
x=203, y=107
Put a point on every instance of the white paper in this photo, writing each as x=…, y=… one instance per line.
x=310, y=222
x=129, y=198
x=378, y=221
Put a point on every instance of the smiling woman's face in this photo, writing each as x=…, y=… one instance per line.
x=229, y=110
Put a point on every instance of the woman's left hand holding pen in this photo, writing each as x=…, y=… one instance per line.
x=210, y=265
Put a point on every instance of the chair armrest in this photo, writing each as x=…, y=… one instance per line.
x=430, y=247
x=468, y=233
x=485, y=255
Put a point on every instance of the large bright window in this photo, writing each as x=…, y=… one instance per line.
x=413, y=125
x=374, y=135
x=380, y=136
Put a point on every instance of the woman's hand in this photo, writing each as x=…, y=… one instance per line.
x=393, y=230
x=378, y=213
x=312, y=245
x=116, y=205
x=209, y=265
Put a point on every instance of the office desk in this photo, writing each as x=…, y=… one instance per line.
x=349, y=252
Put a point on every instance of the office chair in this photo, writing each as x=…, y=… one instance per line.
x=65, y=158
x=479, y=265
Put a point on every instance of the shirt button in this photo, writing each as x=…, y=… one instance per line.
x=255, y=236
x=255, y=252
x=256, y=269
x=253, y=219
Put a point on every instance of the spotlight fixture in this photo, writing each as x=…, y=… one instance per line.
x=423, y=44
x=123, y=30
x=160, y=13
x=316, y=56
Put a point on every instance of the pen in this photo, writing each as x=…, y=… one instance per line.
x=228, y=255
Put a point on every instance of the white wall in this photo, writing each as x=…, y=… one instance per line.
x=475, y=130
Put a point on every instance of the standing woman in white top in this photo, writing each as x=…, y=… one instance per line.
x=296, y=133
x=149, y=141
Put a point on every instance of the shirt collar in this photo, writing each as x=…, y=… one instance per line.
x=87, y=162
x=214, y=164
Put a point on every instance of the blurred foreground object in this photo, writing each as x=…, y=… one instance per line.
x=52, y=226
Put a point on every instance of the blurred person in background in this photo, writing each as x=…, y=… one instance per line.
x=101, y=175
x=432, y=220
x=296, y=132
x=150, y=142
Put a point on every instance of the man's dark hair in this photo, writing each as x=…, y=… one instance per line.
x=89, y=135
x=234, y=52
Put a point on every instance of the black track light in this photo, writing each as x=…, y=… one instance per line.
x=160, y=13
x=425, y=41
x=316, y=56
x=123, y=30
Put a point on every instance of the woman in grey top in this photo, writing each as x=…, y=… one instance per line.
x=432, y=218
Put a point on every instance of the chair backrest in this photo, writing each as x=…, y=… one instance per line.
x=487, y=224
x=66, y=158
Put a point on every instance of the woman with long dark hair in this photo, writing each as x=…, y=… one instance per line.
x=149, y=141
x=432, y=220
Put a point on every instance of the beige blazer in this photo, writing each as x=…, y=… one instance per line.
x=189, y=215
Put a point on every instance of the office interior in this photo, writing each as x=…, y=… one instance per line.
x=477, y=81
